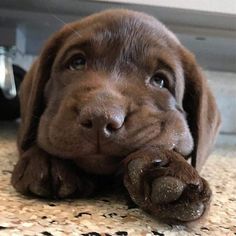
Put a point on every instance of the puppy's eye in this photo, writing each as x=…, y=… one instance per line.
x=158, y=80
x=77, y=63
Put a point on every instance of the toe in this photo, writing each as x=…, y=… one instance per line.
x=66, y=190
x=40, y=189
x=135, y=170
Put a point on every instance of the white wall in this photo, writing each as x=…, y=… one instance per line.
x=25, y=61
x=223, y=85
x=225, y=7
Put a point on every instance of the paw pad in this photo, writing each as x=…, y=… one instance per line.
x=166, y=189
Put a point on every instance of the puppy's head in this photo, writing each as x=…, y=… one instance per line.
x=113, y=83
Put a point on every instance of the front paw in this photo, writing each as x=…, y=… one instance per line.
x=41, y=174
x=164, y=184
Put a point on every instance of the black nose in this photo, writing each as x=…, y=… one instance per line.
x=106, y=121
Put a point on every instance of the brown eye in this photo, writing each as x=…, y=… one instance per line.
x=77, y=63
x=158, y=80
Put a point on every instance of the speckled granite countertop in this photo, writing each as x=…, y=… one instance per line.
x=109, y=215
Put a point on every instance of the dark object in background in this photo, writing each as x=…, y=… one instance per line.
x=10, y=108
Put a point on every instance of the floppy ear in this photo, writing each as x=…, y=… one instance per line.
x=202, y=113
x=31, y=91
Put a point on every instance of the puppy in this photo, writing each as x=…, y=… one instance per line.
x=117, y=93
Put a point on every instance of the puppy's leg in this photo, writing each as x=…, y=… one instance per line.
x=41, y=174
x=164, y=184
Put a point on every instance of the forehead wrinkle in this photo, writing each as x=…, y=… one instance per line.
x=127, y=21
x=125, y=34
x=125, y=40
x=83, y=36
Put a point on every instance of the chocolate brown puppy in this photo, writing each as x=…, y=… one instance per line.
x=117, y=93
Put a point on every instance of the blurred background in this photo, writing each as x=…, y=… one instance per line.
x=206, y=27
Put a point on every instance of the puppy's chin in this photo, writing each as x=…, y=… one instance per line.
x=99, y=163
x=90, y=163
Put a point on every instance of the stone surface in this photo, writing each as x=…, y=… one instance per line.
x=110, y=215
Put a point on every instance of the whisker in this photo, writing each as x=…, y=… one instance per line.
x=59, y=19
x=143, y=128
x=148, y=130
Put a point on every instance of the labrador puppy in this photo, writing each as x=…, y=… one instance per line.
x=117, y=93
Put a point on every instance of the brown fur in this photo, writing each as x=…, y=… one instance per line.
x=123, y=49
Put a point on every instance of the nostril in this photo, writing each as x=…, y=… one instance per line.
x=87, y=124
x=111, y=127
x=125, y=119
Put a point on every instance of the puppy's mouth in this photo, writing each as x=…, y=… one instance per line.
x=96, y=158
x=99, y=163
x=103, y=159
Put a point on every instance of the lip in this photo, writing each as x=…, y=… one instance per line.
x=103, y=157
x=99, y=163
